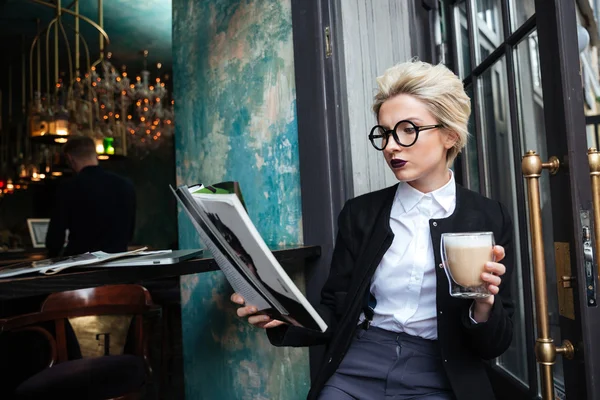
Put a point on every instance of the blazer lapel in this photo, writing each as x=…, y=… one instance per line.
x=380, y=238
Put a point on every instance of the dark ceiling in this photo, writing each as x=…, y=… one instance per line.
x=132, y=26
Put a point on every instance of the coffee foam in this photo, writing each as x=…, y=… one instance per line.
x=468, y=241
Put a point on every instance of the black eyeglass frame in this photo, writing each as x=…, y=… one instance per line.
x=387, y=132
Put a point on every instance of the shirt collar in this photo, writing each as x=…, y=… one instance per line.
x=409, y=197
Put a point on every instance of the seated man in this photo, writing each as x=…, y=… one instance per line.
x=96, y=206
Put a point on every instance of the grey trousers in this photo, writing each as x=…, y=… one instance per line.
x=386, y=365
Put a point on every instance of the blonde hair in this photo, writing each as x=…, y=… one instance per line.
x=438, y=88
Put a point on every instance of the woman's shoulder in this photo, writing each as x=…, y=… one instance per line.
x=373, y=198
x=471, y=196
x=475, y=201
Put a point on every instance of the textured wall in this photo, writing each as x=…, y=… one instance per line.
x=236, y=120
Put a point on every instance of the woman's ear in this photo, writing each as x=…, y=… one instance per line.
x=450, y=139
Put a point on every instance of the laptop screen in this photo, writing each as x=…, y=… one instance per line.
x=37, y=230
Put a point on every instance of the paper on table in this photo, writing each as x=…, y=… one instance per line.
x=54, y=265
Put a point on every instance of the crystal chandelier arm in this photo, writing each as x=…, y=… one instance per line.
x=48, y=56
x=56, y=33
x=101, y=38
x=24, y=96
x=87, y=61
x=39, y=60
x=69, y=57
x=86, y=51
x=76, y=36
x=101, y=22
x=33, y=45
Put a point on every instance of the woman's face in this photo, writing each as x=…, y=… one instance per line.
x=422, y=165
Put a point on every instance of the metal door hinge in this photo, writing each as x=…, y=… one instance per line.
x=328, y=46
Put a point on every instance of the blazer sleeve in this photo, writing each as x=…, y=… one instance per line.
x=492, y=338
x=333, y=293
x=59, y=222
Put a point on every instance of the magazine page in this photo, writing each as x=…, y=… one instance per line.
x=54, y=265
x=229, y=217
x=229, y=187
x=236, y=278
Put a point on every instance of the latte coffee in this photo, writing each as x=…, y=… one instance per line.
x=464, y=257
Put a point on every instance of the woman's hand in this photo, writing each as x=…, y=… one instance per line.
x=492, y=277
x=261, y=321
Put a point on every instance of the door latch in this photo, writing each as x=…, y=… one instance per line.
x=588, y=256
x=566, y=281
x=328, y=46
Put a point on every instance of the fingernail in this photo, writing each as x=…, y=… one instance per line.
x=253, y=310
x=489, y=264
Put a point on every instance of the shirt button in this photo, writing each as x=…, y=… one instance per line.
x=330, y=360
x=445, y=361
x=441, y=265
x=441, y=312
x=435, y=224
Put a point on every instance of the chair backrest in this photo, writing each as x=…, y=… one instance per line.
x=94, y=315
x=111, y=297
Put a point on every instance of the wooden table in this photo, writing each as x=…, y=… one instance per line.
x=80, y=278
x=8, y=257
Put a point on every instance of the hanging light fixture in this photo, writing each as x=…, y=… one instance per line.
x=138, y=115
x=101, y=103
x=49, y=118
x=124, y=114
x=65, y=107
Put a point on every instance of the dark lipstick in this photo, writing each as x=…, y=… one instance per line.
x=397, y=163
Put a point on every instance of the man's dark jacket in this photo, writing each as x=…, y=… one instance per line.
x=98, y=209
x=364, y=235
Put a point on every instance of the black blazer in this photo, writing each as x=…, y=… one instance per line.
x=98, y=209
x=364, y=235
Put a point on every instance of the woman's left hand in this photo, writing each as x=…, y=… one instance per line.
x=492, y=277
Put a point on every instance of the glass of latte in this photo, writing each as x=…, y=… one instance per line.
x=463, y=257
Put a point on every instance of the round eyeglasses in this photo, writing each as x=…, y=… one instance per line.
x=405, y=133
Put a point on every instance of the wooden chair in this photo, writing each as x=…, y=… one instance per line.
x=112, y=374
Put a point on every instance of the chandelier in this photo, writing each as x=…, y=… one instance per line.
x=121, y=114
x=134, y=114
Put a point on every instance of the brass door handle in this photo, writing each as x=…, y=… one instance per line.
x=545, y=349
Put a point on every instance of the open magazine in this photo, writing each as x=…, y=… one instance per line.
x=51, y=266
x=219, y=215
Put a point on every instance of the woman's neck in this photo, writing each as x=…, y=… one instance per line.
x=432, y=181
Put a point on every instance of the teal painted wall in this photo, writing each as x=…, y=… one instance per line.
x=234, y=91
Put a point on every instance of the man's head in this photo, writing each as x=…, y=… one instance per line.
x=80, y=152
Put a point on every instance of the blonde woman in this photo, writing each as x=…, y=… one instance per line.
x=394, y=330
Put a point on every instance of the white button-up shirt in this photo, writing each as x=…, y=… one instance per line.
x=404, y=283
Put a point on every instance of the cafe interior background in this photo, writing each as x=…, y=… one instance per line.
x=121, y=97
x=254, y=112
